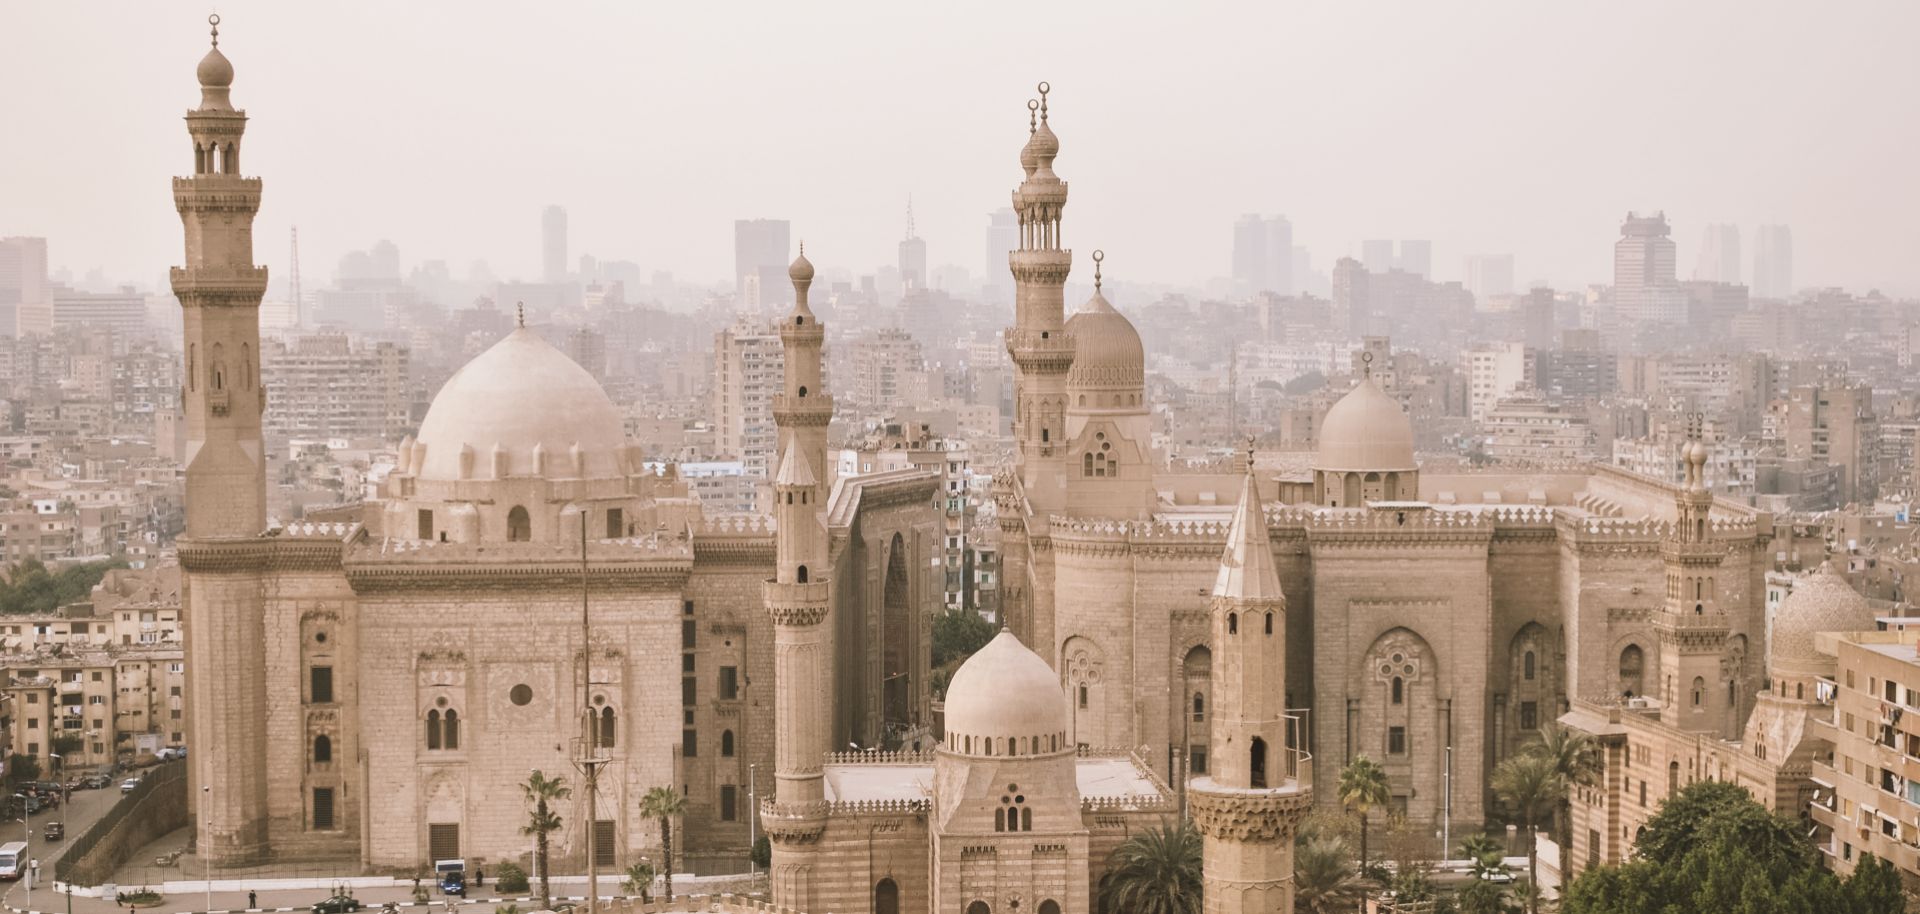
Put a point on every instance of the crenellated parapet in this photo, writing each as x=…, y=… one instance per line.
x=796, y=604
x=793, y=824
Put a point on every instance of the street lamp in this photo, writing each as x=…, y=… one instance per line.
x=753, y=817
x=206, y=841
x=26, y=831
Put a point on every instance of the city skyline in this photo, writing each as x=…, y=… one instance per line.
x=784, y=115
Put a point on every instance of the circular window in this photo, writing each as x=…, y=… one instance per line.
x=521, y=694
x=1399, y=657
x=440, y=702
x=1020, y=799
x=1013, y=788
x=320, y=637
x=1106, y=446
x=1408, y=669
x=1386, y=670
x=599, y=699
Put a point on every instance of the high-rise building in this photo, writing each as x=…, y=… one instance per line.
x=1773, y=262
x=1262, y=255
x=1003, y=235
x=1644, y=288
x=1836, y=424
x=760, y=250
x=889, y=371
x=913, y=256
x=1352, y=305
x=588, y=347
x=1377, y=255
x=124, y=311
x=1490, y=275
x=1719, y=254
x=23, y=287
x=1493, y=371
x=553, y=244
x=1415, y=257
x=747, y=365
x=325, y=387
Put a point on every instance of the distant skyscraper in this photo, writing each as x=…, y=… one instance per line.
x=1490, y=275
x=761, y=248
x=1773, y=262
x=913, y=256
x=1262, y=255
x=1352, y=303
x=1377, y=255
x=1415, y=257
x=1719, y=254
x=553, y=243
x=1003, y=235
x=24, y=296
x=1644, y=288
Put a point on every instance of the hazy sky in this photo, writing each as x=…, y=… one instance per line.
x=1528, y=128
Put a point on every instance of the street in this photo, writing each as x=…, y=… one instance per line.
x=79, y=814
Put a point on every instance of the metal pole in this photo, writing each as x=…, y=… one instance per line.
x=753, y=818
x=1446, y=818
x=206, y=860
x=26, y=831
x=589, y=734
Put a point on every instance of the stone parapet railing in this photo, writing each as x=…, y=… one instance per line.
x=879, y=758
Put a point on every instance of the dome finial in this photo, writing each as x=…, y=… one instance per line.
x=520, y=313
x=1033, y=114
x=214, y=21
x=1098, y=255
x=1044, y=89
x=1366, y=364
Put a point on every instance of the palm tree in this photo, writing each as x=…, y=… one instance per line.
x=664, y=803
x=1155, y=872
x=542, y=791
x=1485, y=852
x=1323, y=880
x=1363, y=785
x=1528, y=783
x=1576, y=757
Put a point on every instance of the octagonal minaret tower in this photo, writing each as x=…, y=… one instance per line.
x=1692, y=625
x=798, y=599
x=1038, y=341
x=1250, y=803
x=222, y=555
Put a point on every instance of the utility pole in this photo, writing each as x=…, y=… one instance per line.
x=293, y=276
x=589, y=760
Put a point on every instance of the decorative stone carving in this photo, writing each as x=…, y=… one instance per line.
x=1247, y=815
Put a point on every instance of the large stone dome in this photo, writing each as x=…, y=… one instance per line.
x=531, y=401
x=1366, y=431
x=1006, y=692
x=1106, y=348
x=1820, y=602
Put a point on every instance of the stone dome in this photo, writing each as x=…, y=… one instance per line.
x=215, y=71
x=532, y=402
x=1106, y=347
x=801, y=270
x=1820, y=602
x=1006, y=692
x=1366, y=431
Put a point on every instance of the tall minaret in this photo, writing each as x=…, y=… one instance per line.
x=1252, y=799
x=798, y=598
x=219, y=290
x=222, y=554
x=1691, y=626
x=1038, y=340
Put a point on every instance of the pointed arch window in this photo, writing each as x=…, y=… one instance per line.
x=1199, y=707
x=608, y=720
x=322, y=749
x=1399, y=690
x=1699, y=690
x=1527, y=664
x=433, y=730
x=1233, y=623
x=726, y=744
x=519, y=525
x=1257, y=768
x=450, y=735
x=1269, y=623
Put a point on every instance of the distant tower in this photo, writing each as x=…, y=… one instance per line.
x=1691, y=626
x=913, y=256
x=1037, y=341
x=553, y=243
x=221, y=555
x=293, y=276
x=1254, y=796
x=798, y=598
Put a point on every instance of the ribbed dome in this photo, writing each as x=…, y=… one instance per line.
x=1366, y=431
x=1106, y=349
x=1820, y=602
x=522, y=394
x=1005, y=691
x=215, y=71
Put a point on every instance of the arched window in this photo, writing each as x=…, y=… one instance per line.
x=1026, y=818
x=322, y=749
x=607, y=728
x=886, y=897
x=803, y=390
x=519, y=526
x=979, y=907
x=1258, y=767
x=1633, y=663
x=1049, y=907
x=1233, y=623
x=1000, y=819
x=726, y=744
x=1799, y=690
x=801, y=574
x=433, y=729
x=1673, y=778
x=452, y=732
x=1269, y=623
x=1399, y=690
x=1699, y=690
x=1526, y=664
x=1199, y=707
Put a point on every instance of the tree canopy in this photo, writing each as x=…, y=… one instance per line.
x=1712, y=848
x=30, y=589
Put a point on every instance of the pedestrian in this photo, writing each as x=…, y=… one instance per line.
x=253, y=900
x=479, y=877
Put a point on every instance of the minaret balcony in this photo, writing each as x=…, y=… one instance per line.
x=219, y=402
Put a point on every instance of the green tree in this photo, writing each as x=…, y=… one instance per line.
x=761, y=854
x=1486, y=852
x=542, y=791
x=22, y=767
x=1527, y=784
x=1482, y=897
x=1323, y=878
x=1363, y=786
x=1576, y=758
x=509, y=878
x=664, y=803
x=1155, y=872
x=640, y=880
x=32, y=589
x=1674, y=830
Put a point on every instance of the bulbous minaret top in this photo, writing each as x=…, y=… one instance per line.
x=216, y=73
x=801, y=273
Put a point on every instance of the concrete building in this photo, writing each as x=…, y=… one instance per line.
x=1719, y=260
x=1867, y=786
x=1528, y=428
x=326, y=387
x=1490, y=275
x=553, y=244
x=1645, y=290
x=1493, y=372
x=1773, y=263
x=26, y=301
x=760, y=249
x=1262, y=255
x=747, y=362
x=889, y=372
x=124, y=312
x=1835, y=423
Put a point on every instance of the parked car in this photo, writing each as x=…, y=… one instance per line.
x=1500, y=876
x=338, y=904
x=53, y=831
x=97, y=781
x=127, y=785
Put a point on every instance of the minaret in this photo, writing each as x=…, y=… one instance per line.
x=1254, y=795
x=1691, y=626
x=798, y=598
x=1038, y=341
x=222, y=554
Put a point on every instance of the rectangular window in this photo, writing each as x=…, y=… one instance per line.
x=322, y=809
x=1396, y=740
x=1643, y=793
x=321, y=682
x=689, y=634
x=727, y=800
x=1198, y=756
x=689, y=691
x=425, y=523
x=689, y=744
x=616, y=528
x=1529, y=715
x=729, y=683
x=96, y=675
x=443, y=841
x=603, y=842
x=686, y=663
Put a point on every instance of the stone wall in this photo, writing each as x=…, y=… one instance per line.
x=158, y=806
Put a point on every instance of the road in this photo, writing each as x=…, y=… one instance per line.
x=79, y=814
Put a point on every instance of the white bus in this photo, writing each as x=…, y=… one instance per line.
x=13, y=859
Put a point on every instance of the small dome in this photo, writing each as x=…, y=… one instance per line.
x=522, y=395
x=215, y=72
x=802, y=269
x=1820, y=602
x=1005, y=691
x=1044, y=144
x=1028, y=162
x=1366, y=431
x=1106, y=347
